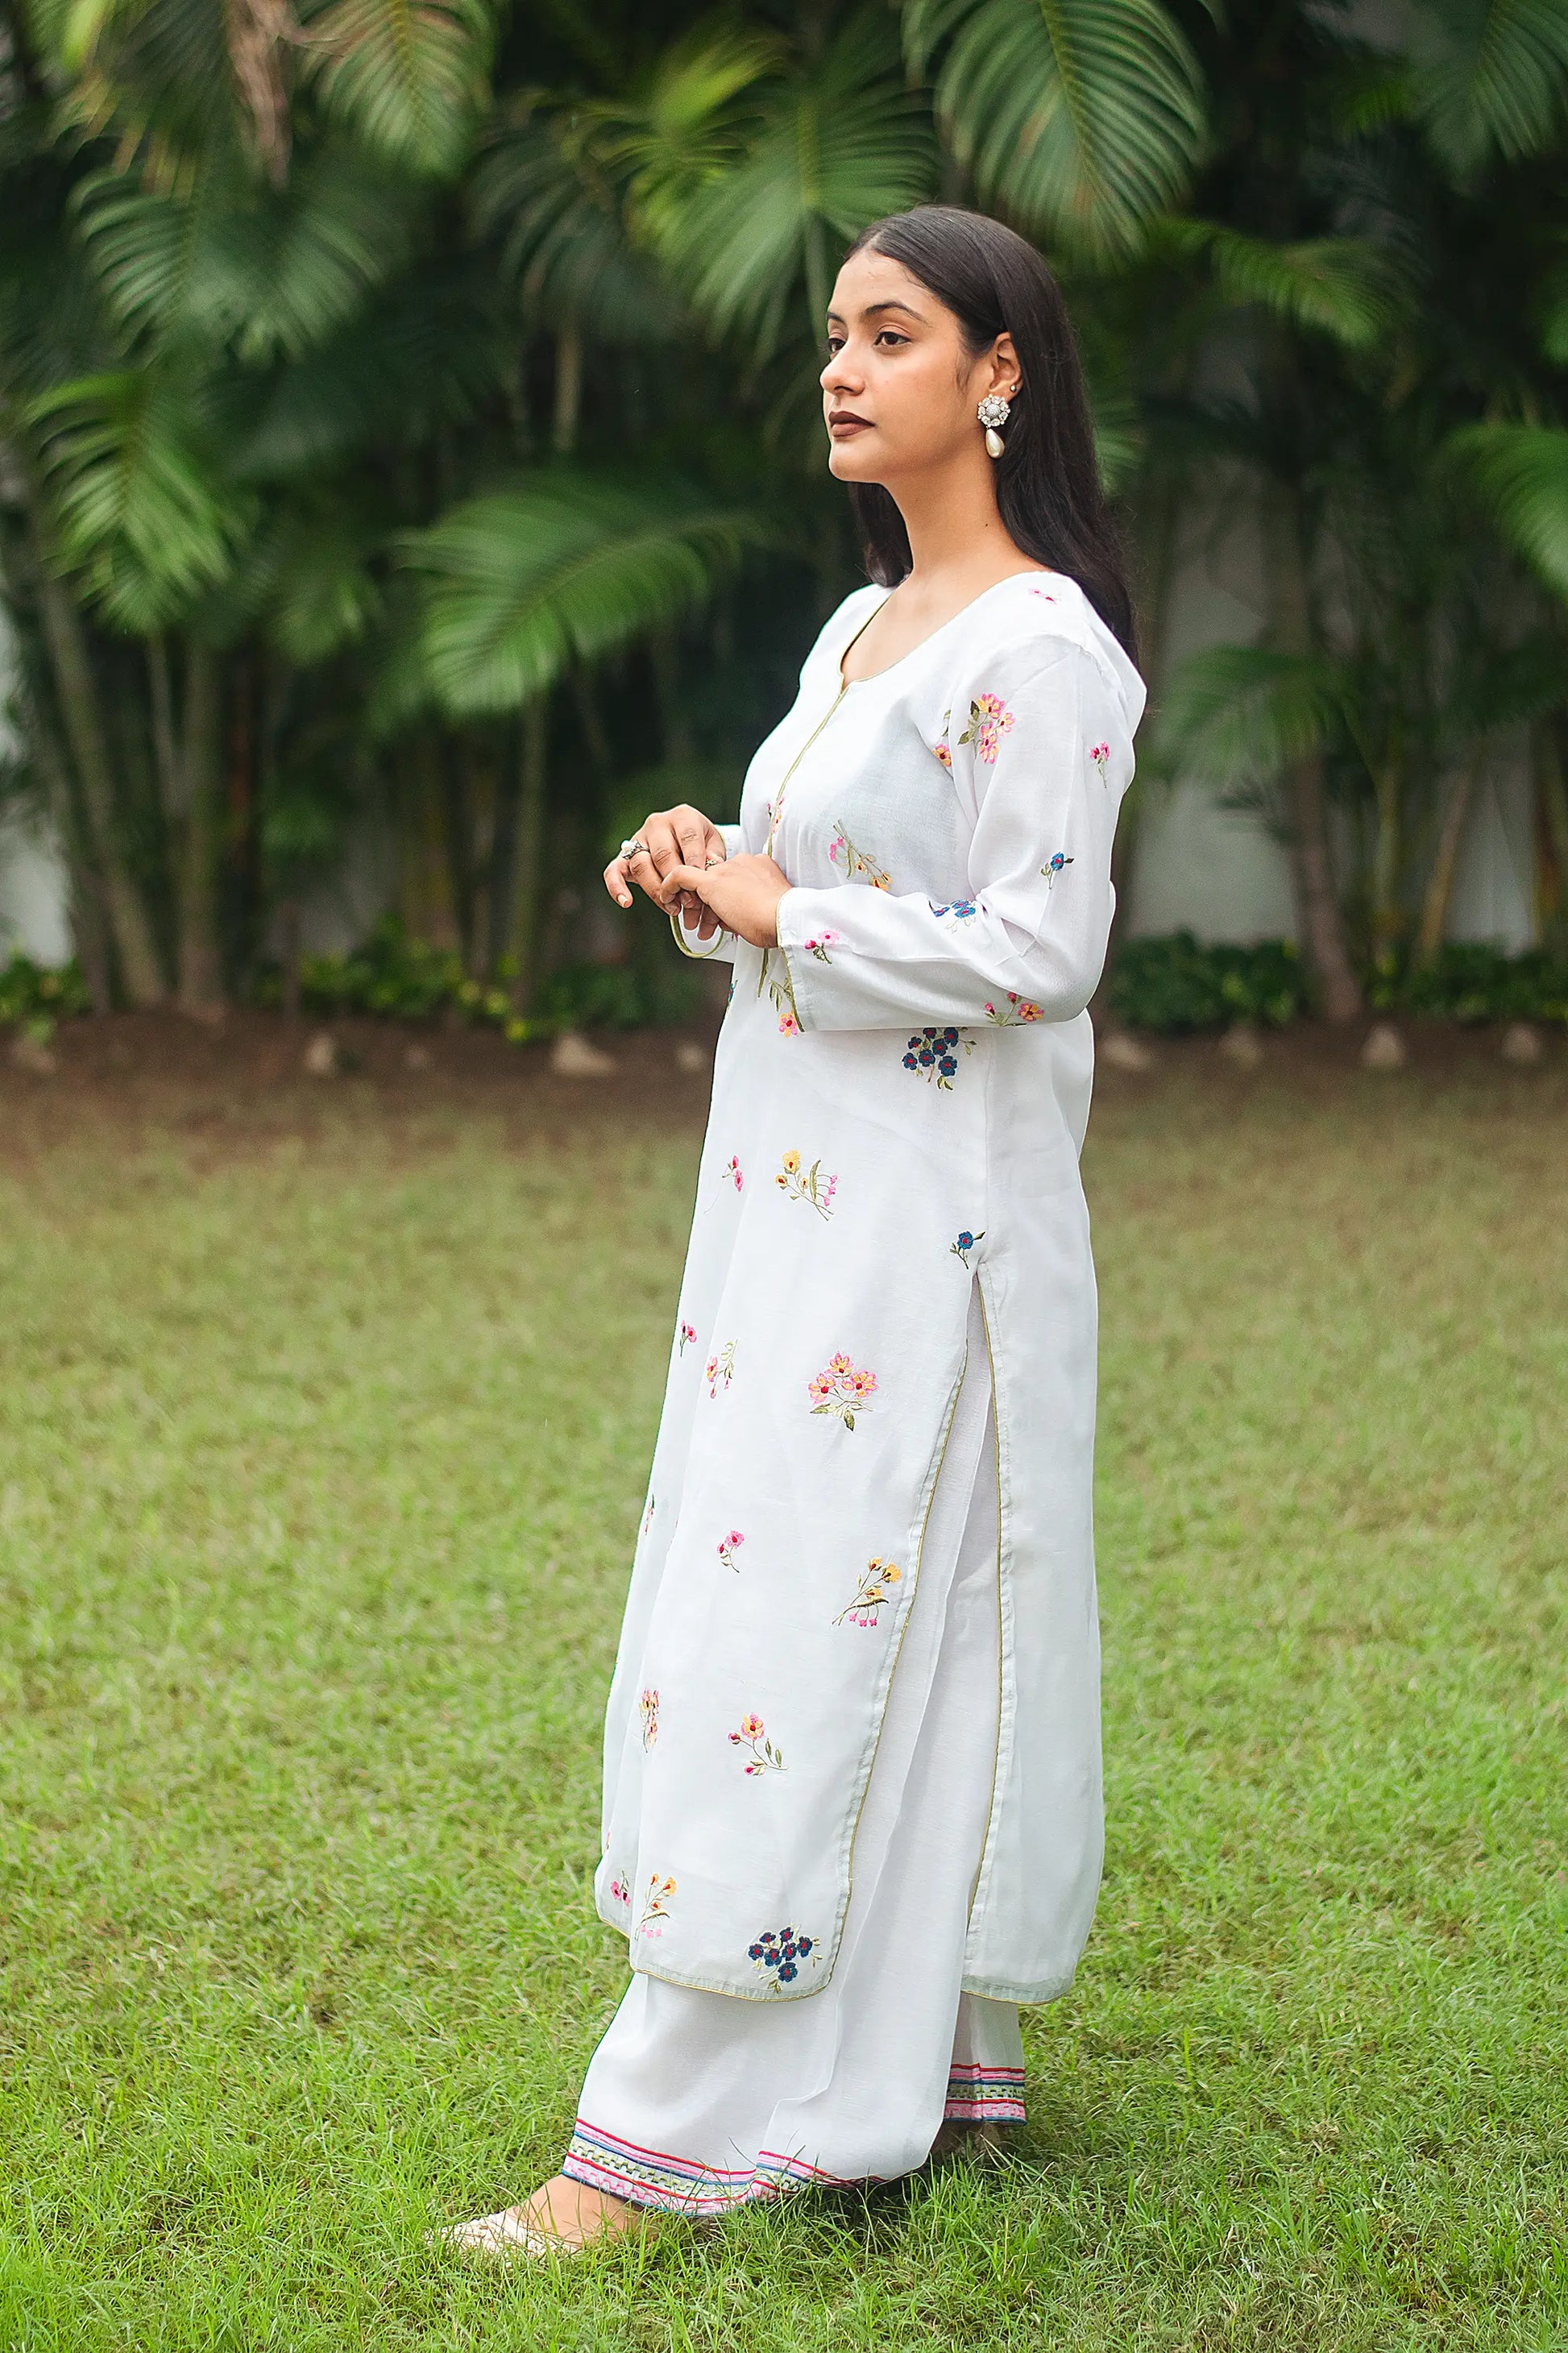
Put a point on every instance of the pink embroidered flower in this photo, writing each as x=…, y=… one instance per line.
x=619, y=1891
x=687, y=1332
x=819, y=946
x=1017, y=1011
x=943, y=753
x=989, y=721
x=728, y=1547
x=720, y=1368
x=1100, y=754
x=733, y=1173
x=844, y=1389
x=649, y=1704
x=788, y=1026
x=752, y=1734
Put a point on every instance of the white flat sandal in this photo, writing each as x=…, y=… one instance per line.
x=502, y=2234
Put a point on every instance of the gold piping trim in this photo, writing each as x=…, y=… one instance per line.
x=997, y=1751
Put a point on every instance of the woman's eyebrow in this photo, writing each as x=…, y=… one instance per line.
x=835, y=318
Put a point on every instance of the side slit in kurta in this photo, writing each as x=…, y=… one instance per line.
x=696, y=2102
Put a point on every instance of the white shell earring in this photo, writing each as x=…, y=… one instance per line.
x=992, y=412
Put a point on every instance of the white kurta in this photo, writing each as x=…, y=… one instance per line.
x=900, y=1092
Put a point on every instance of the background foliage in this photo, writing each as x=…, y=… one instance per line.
x=409, y=429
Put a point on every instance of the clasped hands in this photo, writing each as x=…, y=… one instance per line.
x=684, y=868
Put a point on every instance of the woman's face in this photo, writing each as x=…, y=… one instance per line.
x=900, y=390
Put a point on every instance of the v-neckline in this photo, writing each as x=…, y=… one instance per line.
x=1033, y=572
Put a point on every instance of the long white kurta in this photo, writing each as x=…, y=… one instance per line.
x=899, y=1099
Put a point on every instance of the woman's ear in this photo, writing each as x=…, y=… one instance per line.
x=1005, y=374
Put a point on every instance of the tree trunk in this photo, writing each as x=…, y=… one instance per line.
x=527, y=853
x=1445, y=863
x=82, y=716
x=201, y=964
x=1318, y=910
x=288, y=928
x=87, y=923
x=568, y=388
x=1388, y=859
x=1548, y=759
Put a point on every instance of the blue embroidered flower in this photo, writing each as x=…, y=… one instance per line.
x=965, y=1243
x=781, y=1951
x=962, y=908
x=935, y=1051
x=1054, y=867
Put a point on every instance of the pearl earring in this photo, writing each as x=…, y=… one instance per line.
x=992, y=412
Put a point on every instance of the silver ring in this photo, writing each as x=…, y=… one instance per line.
x=633, y=848
x=711, y=861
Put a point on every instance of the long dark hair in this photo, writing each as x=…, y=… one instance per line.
x=1048, y=483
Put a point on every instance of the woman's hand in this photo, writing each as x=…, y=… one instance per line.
x=743, y=892
x=676, y=837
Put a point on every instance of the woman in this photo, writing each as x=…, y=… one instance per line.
x=852, y=1794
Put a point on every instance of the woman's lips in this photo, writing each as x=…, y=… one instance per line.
x=843, y=424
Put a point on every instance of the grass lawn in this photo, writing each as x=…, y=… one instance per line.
x=324, y=1417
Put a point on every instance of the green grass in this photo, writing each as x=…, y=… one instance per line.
x=321, y=1457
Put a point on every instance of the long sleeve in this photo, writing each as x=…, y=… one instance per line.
x=1040, y=752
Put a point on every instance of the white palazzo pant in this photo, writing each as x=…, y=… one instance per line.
x=702, y=2102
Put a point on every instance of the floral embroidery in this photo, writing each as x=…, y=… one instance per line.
x=989, y=721
x=842, y=1390
x=647, y=1516
x=1100, y=754
x=781, y=1951
x=728, y=1547
x=655, y=1909
x=752, y=1734
x=1018, y=1010
x=1045, y=593
x=1054, y=867
x=788, y=1025
x=842, y=851
x=721, y=1366
x=687, y=1332
x=935, y=1051
x=619, y=1891
x=649, y=1704
x=960, y=907
x=870, y=1594
x=812, y=1187
x=965, y=1243
x=782, y=994
x=942, y=749
x=731, y=1175
x=819, y=946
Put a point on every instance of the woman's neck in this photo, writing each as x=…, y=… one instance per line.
x=958, y=541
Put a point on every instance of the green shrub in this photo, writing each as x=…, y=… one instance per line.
x=396, y=977
x=1470, y=983
x=35, y=995
x=1173, y=984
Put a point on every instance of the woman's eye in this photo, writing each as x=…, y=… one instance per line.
x=890, y=336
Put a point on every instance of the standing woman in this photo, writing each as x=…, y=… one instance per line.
x=852, y=1809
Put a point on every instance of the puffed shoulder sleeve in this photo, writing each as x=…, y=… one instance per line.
x=1041, y=752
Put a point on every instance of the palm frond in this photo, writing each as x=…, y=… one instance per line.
x=1490, y=77
x=139, y=510
x=835, y=149
x=1521, y=472
x=1241, y=714
x=269, y=272
x=561, y=567
x=407, y=77
x=1343, y=287
x=1081, y=119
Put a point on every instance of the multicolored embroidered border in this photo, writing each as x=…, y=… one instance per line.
x=977, y=2095
x=651, y=2177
